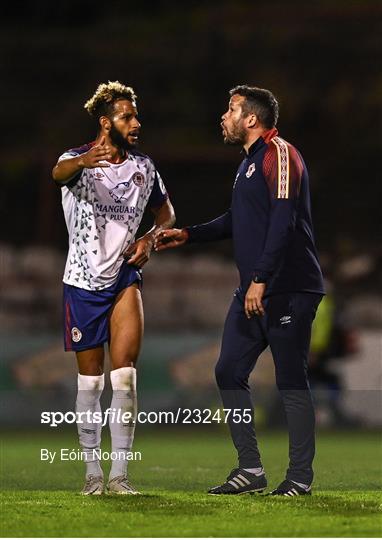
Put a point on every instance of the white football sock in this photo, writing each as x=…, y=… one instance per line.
x=90, y=388
x=258, y=471
x=123, y=382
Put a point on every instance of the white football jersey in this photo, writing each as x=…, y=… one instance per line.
x=103, y=208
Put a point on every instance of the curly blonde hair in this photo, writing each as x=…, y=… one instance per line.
x=102, y=102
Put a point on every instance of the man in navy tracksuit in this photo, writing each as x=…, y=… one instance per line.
x=280, y=288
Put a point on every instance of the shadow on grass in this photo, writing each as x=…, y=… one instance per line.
x=196, y=503
x=331, y=504
x=192, y=502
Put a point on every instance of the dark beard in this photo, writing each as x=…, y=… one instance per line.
x=118, y=140
x=237, y=136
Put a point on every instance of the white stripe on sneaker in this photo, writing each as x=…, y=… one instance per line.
x=233, y=484
x=238, y=481
x=243, y=478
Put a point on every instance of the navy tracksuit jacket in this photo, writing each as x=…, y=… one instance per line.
x=271, y=227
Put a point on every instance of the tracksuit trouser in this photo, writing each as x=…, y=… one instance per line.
x=286, y=328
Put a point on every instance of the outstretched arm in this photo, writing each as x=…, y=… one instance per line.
x=217, y=229
x=68, y=168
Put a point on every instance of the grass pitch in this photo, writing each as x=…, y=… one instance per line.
x=42, y=500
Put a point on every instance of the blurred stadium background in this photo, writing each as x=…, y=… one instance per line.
x=321, y=61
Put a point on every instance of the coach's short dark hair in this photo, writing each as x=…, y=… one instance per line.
x=259, y=101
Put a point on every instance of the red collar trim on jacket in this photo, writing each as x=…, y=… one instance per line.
x=268, y=135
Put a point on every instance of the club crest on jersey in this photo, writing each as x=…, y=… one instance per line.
x=251, y=169
x=138, y=179
x=76, y=334
x=98, y=175
x=118, y=194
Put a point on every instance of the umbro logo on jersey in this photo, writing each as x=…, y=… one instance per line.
x=251, y=169
x=138, y=179
x=286, y=319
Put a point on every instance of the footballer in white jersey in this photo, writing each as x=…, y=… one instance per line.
x=103, y=208
x=106, y=187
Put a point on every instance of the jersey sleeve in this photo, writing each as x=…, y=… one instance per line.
x=158, y=194
x=217, y=229
x=72, y=153
x=282, y=169
x=68, y=154
x=75, y=152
